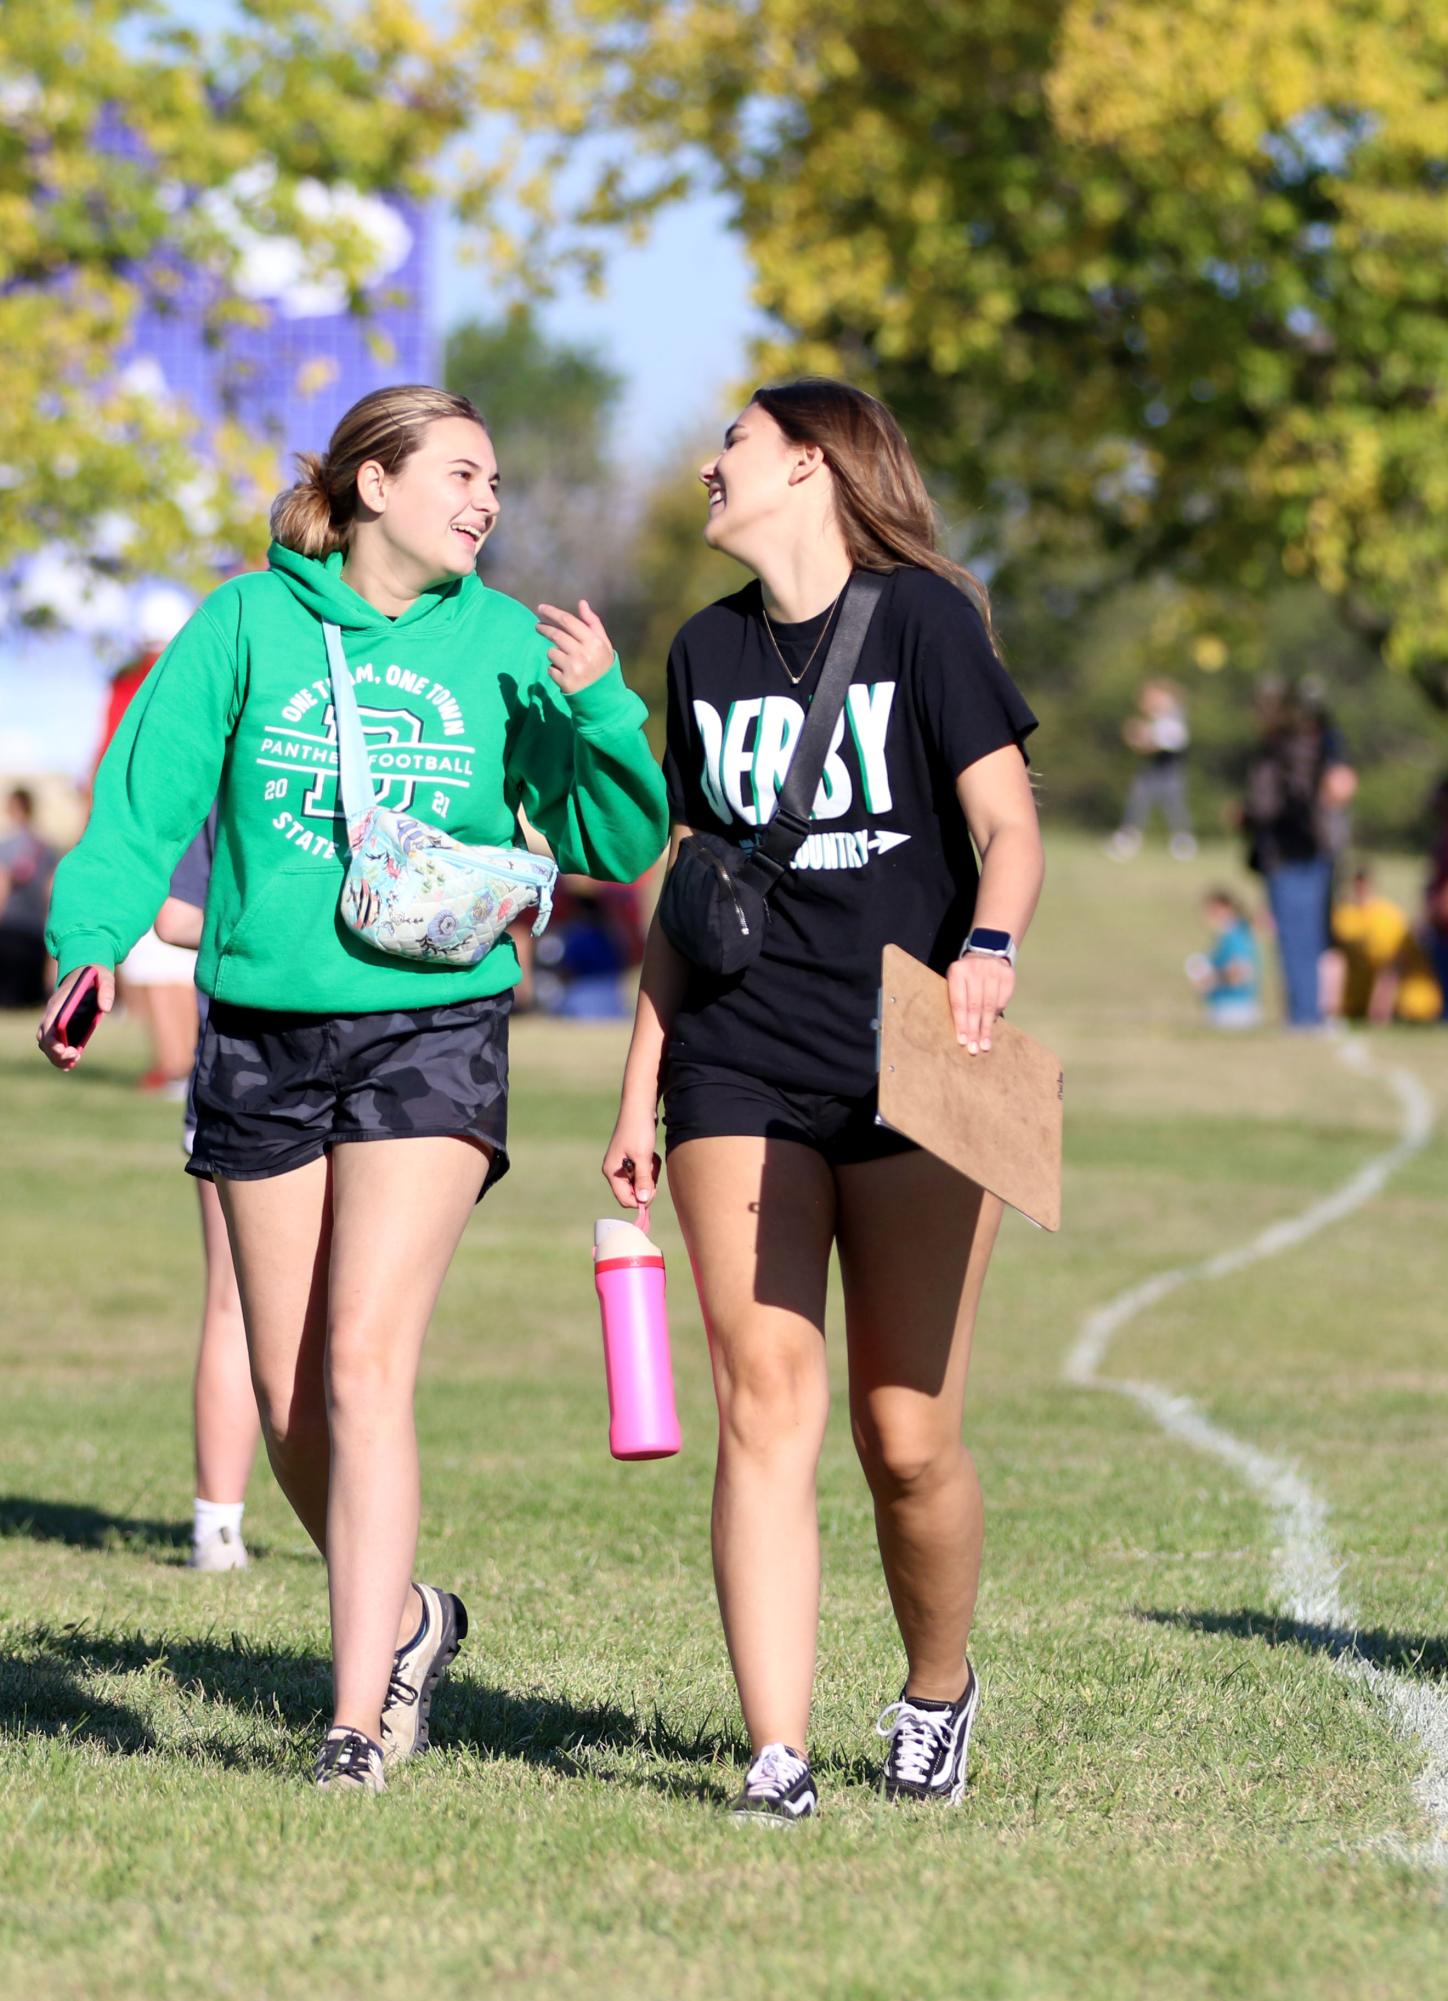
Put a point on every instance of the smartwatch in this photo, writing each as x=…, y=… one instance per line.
x=990, y=945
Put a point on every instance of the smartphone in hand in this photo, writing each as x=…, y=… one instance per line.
x=76, y=1022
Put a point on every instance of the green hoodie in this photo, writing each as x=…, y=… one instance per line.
x=463, y=723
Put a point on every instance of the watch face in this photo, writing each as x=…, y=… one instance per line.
x=990, y=941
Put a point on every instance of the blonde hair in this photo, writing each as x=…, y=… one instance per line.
x=318, y=514
x=884, y=511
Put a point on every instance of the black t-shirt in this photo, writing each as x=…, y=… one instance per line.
x=888, y=859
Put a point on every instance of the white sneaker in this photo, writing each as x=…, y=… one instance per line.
x=417, y=1669
x=1183, y=847
x=223, y=1549
x=349, y=1762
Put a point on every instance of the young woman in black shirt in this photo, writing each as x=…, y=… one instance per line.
x=768, y=1079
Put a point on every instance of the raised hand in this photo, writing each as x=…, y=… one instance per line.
x=579, y=650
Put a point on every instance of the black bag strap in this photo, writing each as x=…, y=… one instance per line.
x=787, y=826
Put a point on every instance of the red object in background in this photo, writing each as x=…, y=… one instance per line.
x=125, y=685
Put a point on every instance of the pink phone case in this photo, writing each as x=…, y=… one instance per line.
x=85, y=986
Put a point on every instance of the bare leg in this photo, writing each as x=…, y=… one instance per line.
x=915, y=1240
x=399, y=1207
x=227, y=1425
x=173, y=1028
x=281, y=1231
x=758, y=1217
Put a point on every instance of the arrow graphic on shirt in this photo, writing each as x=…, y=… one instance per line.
x=881, y=844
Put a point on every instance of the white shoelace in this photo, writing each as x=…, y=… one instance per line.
x=773, y=1772
x=916, y=1736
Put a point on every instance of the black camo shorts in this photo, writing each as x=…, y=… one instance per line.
x=273, y=1091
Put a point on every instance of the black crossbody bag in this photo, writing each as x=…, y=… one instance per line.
x=713, y=905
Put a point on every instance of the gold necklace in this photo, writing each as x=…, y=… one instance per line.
x=795, y=679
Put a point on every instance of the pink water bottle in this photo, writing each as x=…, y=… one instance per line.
x=628, y=1269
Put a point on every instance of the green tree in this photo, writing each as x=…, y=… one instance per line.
x=1156, y=290
x=548, y=404
x=671, y=571
x=245, y=129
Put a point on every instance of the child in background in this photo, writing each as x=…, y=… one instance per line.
x=1229, y=976
x=1158, y=733
x=1377, y=970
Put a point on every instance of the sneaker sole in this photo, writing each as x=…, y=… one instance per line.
x=773, y=1819
x=455, y=1631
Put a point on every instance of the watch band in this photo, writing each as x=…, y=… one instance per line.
x=985, y=943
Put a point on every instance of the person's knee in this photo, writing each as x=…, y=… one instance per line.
x=773, y=1402
x=293, y=1423
x=904, y=1459
x=366, y=1377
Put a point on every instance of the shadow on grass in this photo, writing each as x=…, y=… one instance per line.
x=49, y=1698
x=43, y=1692
x=85, y=1527
x=1412, y=1654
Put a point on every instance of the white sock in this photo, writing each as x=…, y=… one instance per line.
x=213, y=1515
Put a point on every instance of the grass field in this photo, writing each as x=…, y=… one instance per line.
x=1175, y=1790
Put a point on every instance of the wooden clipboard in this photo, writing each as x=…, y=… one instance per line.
x=995, y=1117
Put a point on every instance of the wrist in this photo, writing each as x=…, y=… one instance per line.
x=986, y=943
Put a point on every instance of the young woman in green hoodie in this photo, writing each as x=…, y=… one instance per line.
x=473, y=710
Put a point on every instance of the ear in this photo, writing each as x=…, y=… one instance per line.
x=805, y=463
x=372, y=485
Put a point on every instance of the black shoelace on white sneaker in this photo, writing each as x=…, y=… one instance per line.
x=348, y=1757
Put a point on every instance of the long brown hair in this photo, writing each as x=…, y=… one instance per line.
x=317, y=515
x=885, y=513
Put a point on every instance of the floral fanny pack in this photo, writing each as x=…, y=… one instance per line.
x=412, y=890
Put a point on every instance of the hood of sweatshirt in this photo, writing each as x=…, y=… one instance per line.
x=317, y=583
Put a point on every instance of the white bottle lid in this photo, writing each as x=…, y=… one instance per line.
x=613, y=1238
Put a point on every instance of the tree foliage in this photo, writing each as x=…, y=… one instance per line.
x=1157, y=290
x=119, y=128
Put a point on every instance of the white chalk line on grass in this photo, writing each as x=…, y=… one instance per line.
x=1306, y=1573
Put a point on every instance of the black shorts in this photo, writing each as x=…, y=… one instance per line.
x=705, y=1101
x=274, y=1091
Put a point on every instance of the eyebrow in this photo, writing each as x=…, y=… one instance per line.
x=471, y=464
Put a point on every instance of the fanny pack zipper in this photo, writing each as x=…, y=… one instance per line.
x=728, y=882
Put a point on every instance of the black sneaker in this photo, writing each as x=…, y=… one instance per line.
x=778, y=1787
x=928, y=1745
x=417, y=1669
x=350, y=1762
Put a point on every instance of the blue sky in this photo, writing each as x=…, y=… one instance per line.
x=675, y=320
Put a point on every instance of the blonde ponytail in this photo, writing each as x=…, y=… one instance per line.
x=301, y=518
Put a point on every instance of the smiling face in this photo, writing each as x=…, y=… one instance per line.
x=433, y=514
x=753, y=484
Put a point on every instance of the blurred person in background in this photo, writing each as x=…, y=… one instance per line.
x=1158, y=734
x=1436, y=932
x=1228, y=976
x=1298, y=780
x=595, y=938
x=157, y=979
x=1377, y=970
x=27, y=864
x=227, y=1425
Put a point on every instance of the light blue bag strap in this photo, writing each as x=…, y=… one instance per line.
x=358, y=793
